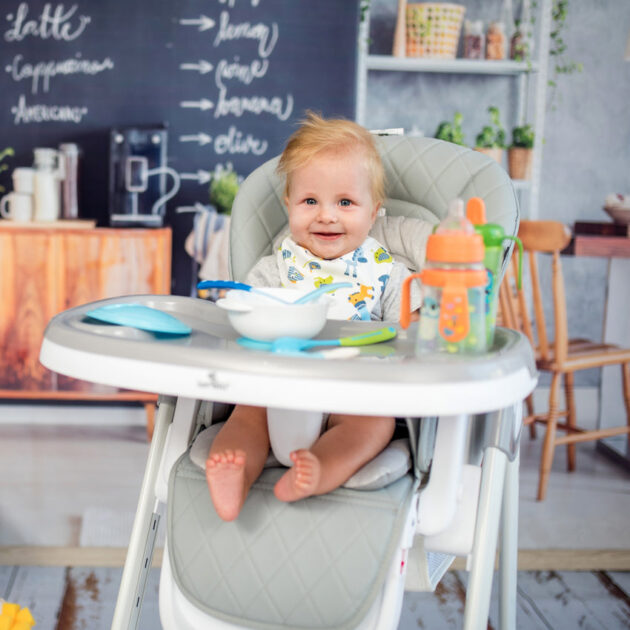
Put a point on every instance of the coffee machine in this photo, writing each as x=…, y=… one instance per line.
x=137, y=176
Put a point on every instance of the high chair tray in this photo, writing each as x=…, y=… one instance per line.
x=209, y=364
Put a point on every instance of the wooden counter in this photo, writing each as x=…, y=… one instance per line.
x=47, y=269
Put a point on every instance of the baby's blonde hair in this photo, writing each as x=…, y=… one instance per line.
x=317, y=135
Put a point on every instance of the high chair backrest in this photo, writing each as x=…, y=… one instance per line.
x=422, y=176
x=539, y=237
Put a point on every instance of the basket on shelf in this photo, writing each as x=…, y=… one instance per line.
x=433, y=29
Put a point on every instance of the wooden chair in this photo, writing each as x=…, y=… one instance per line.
x=561, y=356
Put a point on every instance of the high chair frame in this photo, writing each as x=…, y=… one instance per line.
x=465, y=476
x=562, y=356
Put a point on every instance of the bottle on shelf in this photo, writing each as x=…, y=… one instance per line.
x=495, y=41
x=474, y=40
x=521, y=43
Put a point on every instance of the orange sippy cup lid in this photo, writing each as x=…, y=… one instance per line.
x=455, y=248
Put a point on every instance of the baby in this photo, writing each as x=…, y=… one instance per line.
x=334, y=188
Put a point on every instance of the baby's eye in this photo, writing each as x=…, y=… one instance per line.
x=345, y=203
x=310, y=201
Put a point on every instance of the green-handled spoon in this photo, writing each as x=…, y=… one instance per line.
x=287, y=345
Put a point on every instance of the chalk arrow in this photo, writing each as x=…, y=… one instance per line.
x=203, y=177
x=203, y=67
x=201, y=138
x=204, y=22
x=204, y=103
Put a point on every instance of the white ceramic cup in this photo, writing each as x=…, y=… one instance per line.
x=17, y=207
x=23, y=180
x=46, y=196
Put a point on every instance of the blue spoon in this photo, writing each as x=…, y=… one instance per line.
x=241, y=286
x=140, y=316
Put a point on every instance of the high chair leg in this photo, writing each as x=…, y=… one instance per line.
x=570, y=403
x=508, y=557
x=127, y=604
x=485, y=542
x=550, y=437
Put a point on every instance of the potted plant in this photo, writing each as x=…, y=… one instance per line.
x=451, y=131
x=520, y=152
x=491, y=139
x=223, y=188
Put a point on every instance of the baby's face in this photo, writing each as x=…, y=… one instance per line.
x=330, y=204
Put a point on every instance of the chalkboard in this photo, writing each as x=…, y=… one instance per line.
x=228, y=78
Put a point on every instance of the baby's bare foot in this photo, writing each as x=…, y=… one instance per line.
x=225, y=474
x=301, y=480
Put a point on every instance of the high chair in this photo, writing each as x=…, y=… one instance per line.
x=561, y=356
x=341, y=560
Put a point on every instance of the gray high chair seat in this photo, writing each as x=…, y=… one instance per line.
x=323, y=562
x=423, y=175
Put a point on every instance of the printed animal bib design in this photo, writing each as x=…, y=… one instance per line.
x=368, y=267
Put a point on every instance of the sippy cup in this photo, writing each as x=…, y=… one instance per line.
x=493, y=238
x=453, y=314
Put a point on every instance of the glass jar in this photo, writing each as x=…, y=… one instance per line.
x=474, y=40
x=495, y=41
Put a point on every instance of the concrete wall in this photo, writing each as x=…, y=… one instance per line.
x=586, y=151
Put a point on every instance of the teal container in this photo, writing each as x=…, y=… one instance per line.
x=494, y=240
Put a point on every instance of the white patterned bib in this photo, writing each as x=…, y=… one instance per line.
x=368, y=268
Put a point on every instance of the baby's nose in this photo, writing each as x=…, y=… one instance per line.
x=327, y=213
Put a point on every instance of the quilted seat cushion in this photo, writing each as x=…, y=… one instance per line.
x=388, y=466
x=318, y=563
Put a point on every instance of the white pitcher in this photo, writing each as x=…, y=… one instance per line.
x=48, y=173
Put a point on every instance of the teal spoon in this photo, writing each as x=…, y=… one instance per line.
x=140, y=316
x=324, y=288
x=287, y=345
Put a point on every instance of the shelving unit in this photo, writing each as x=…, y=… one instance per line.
x=529, y=76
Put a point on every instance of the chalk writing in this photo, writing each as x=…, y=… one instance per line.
x=232, y=3
x=45, y=70
x=245, y=73
x=238, y=105
x=23, y=113
x=51, y=23
x=234, y=142
x=266, y=37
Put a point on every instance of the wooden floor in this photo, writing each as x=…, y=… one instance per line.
x=57, y=483
x=83, y=598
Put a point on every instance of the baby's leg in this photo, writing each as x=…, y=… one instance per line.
x=236, y=459
x=349, y=443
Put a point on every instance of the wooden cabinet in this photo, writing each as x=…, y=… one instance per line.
x=45, y=270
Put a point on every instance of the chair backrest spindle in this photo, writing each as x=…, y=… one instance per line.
x=548, y=237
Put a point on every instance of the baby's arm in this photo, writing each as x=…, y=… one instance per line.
x=264, y=273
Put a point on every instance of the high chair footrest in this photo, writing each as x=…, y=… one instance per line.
x=318, y=563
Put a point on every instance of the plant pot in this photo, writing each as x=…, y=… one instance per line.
x=494, y=152
x=520, y=162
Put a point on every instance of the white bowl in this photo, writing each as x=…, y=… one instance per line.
x=257, y=317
